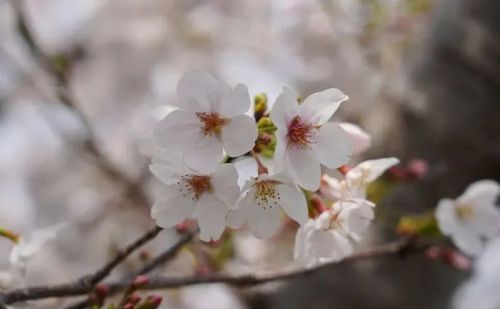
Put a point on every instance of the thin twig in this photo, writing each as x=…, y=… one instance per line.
x=91, y=280
x=399, y=248
x=167, y=255
x=161, y=259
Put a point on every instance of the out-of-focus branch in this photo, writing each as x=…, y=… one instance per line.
x=60, y=78
x=399, y=249
x=103, y=272
x=159, y=260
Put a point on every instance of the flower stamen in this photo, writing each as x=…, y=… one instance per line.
x=211, y=123
x=267, y=195
x=194, y=185
x=464, y=212
x=300, y=134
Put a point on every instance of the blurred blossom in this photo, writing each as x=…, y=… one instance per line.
x=59, y=24
x=473, y=218
x=218, y=295
x=481, y=291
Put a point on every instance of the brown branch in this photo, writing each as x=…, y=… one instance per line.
x=91, y=280
x=167, y=255
x=161, y=259
x=399, y=248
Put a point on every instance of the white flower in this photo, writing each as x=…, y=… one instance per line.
x=207, y=196
x=260, y=205
x=472, y=218
x=304, y=137
x=356, y=180
x=481, y=291
x=24, y=250
x=361, y=140
x=211, y=118
x=359, y=177
x=329, y=237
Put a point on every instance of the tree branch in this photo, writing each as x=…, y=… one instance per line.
x=91, y=280
x=399, y=249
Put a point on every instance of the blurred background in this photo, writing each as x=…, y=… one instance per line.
x=422, y=77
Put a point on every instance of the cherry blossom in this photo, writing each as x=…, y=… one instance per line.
x=331, y=236
x=260, y=204
x=361, y=140
x=305, y=139
x=211, y=118
x=472, y=218
x=187, y=193
x=356, y=179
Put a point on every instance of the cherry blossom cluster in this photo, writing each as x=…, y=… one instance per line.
x=212, y=128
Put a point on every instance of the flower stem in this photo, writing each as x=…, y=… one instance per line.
x=261, y=169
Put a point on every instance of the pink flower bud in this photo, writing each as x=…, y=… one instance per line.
x=140, y=281
x=133, y=299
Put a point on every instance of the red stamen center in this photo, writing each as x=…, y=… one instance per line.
x=211, y=123
x=194, y=185
x=300, y=133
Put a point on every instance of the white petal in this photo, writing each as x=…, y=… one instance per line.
x=171, y=208
x=239, y=135
x=211, y=214
x=482, y=193
x=319, y=107
x=237, y=217
x=371, y=169
x=360, y=138
x=193, y=91
x=333, y=147
x=284, y=109
x=279, y=151
x=167, y=174
x=303, y=167
x=446, y=217
x=246, y=168
x=293, y=202
x=225, y=184
x=263, y=223
x=175, y=129
x=235, y=102
x=205, y=155
x=469, y=242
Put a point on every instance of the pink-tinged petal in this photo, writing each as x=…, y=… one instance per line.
x=303, y=167
x=171, y=208
x=319, y=107
x=205, y=155
x=333, y=147
x=172, y=131
x=225, y=184
x=211, y=214
x=371, y=170
x=239, y=135
x=361, y=140
x=263, y=223
x=194, y=91
x=446, y=216
x=284, y=109
x=237, y=217
x=235, y=102
x=293, y=202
